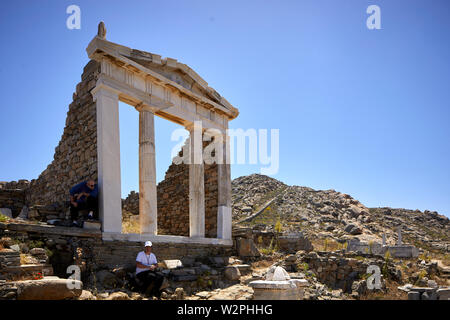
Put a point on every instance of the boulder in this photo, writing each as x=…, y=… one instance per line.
x=232, y=273
x=107, y=279
x=48, y=288
x=353, y=229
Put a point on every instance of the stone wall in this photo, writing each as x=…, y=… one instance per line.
x=13, y=199
x=131, y=203
x=339, y=270
x=91, y=253
x=397, y=251
x=112, y=254
x=173, y=200
x=75, y=157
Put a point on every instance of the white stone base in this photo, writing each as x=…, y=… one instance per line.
x=92, y=225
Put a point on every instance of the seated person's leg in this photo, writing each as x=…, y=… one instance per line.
x=92, y=205
x=73, y=212
x=144, y=280
x=159, y=279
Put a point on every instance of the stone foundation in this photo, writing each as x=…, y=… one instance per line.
x=86, y=249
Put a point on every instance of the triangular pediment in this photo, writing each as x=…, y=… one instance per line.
x=169, y=69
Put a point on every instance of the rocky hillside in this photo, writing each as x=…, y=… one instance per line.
x=265, y=202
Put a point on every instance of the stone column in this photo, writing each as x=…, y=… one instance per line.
x=224, y=191
x=399, y=240
x=108, y=153
x=196, y=182
x=147, y=173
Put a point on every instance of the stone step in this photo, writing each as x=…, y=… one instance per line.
x=183, y=278
x=244, y=269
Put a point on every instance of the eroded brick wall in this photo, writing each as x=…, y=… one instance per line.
x=75, y=157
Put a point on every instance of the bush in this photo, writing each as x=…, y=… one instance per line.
x=278, y=226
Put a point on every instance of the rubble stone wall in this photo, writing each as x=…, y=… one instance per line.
x=173, y=201
x=13, y=199
x=92, y=253
x=337, y=271
x=75, y=157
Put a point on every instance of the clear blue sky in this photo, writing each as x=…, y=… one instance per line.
x=364, y=112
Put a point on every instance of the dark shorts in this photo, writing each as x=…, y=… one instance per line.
x=151, y=282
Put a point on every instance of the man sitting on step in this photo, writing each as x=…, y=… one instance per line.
x=84, y=196
x=146, y=274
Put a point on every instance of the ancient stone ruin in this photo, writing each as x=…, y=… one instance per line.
x=193, y=202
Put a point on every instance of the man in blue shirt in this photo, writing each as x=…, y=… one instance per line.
x=84, y=196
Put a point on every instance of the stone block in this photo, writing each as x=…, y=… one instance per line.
x=49, y=288
x=92, y=225
x=232, y=273
x=443, y=294
x=247, y=248
x=413, y=295
x=172, y=264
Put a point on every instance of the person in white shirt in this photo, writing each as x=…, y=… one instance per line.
x=146, y=265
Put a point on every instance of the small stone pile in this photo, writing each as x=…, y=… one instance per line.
x=40, y=254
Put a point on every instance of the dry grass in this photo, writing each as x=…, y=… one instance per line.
x=130, y=224
x=325, y=244
x=392, y=293
x=27, y=259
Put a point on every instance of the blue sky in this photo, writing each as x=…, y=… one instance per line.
x=364, y=112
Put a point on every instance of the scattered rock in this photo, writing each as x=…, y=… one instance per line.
x=232, y=273
x=86, y=295
x=118, y=296
x=179, y=294
x=353, y=229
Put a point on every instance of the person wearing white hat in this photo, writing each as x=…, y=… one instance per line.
x=146, y=265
